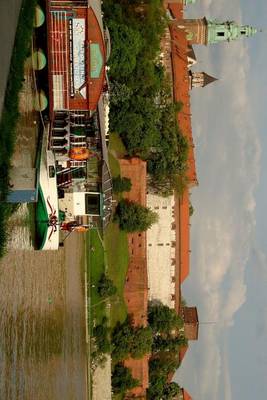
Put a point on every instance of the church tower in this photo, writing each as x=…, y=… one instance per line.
x=200, y=79
x=203, y=31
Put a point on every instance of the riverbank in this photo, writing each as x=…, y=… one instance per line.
x=10, y=113
x=9, y=14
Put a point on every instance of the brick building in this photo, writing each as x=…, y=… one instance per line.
x=136, y=287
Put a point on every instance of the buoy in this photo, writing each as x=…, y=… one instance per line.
x=40, y=101
x=39, y=17
x=38, y=60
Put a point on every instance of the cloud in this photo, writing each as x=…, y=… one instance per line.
x=228, y=165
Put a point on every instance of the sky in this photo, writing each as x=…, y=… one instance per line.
x=228, y=279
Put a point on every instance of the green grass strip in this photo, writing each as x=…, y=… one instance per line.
x=116, y=245
x=95, y=268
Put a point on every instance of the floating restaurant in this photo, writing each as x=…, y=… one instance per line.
x=75, y=193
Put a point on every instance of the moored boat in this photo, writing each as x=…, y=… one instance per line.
x=47, y=211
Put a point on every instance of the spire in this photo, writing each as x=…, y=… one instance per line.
x=227, y=31
x=208, y=79
x=201, y=79
x=203, y=31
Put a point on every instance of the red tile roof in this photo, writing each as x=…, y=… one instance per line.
x=183, y=235
x=176, y=9
x=181, y=92
x=182, y=353
x=186, y=395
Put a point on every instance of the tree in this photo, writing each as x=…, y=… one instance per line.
x=133, y=217
x=105, y=286
x=121, y=184
x=101, y=341
x=160, y=390
x=142, y=342
x=130, y=341
x=126, y=44
x=168, y=343
x=119, y=93
x=122, y=379
x=170, y=391
x=163, y=319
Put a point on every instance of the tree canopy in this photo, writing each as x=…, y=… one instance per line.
x=163, y=319
x=145, y=115
x=122, y=379
x=121, y=184
x=130, y=341
x=132, y=217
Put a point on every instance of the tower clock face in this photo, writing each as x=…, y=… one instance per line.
x=190, y=36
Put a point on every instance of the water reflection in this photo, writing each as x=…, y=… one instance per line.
x=42, y=325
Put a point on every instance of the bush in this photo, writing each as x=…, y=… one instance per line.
x=133, y=217
x=121, y=184
x=105, y=287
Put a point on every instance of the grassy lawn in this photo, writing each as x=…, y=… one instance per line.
x=116, y=146
x=114, y=165
x=116, y=243
x=95, y=268
x=115, y=256
x=117, y=260
x=116, y=150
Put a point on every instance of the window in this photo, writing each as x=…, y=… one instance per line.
x=92, y=203
x=220, y=33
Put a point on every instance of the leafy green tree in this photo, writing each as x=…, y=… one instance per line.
x=122, y=379
x=168, y=343
x=170, y=391
x=101, y=337
x=119, y=93
x=145, y=115
x=133, y=217
x=129, y=341
x=163, y=319
x=156, y=387
x=142, y=342
x=121, y=184
x=126, y=44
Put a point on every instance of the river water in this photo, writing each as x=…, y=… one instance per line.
x=42, y=324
